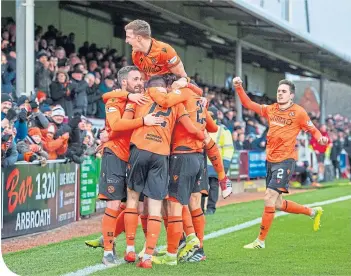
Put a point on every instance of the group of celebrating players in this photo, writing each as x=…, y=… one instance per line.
x=154, y=156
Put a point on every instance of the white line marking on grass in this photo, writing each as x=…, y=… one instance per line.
x=98, y=267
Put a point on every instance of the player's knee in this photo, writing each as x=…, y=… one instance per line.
x=270, y=198
x=278, y=205
x=195, y=201
x=113, y=204
x=155, y=207
x=132, y=199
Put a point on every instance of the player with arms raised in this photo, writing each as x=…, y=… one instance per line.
x=286, y=119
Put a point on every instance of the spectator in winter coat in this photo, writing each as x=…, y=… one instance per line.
x=93, y=95
x=32, y=147
x=60, y=92
x=78, y=89
x=239, y=145
x=19, y=120
x=320, y=151
x=57, y=117
x=36, y=118
x=248, y=142
x=335, y=154
x=9, y=152
x=56, y=148
x=8, y=75
x=43, y=76
x=106, y=86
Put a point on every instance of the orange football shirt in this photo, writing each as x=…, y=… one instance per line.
x=159, y=59
x=119, y=144
x=284, y=127
x=182, y=142
x=156, y=139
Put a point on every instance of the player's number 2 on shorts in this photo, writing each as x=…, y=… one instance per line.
x=280, y=173
x=160, y=113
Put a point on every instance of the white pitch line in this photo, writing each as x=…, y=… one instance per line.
x=98, y=267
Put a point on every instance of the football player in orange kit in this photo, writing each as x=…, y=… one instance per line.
x=286, y=119
x=155, y=57
x=147, y=170
x=116, y=154
x=186, y=169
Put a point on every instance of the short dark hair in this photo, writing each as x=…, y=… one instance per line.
x=289, y=83
x=124, y=71
x=157, y=81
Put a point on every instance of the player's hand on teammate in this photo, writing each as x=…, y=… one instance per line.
x=323, y=141
x=203, y=101
x=237, y=81
x=138, y=98
x=181, y=83
x=152, y=120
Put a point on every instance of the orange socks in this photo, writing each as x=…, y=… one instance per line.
x=199, y=224
x=153, y=232
x=143, y=219
x=267, y=219
x=108, y=228
x=120, y=220
x=174, y=233
x=131, y=225
x=295, y=208
x=215, y=158
x=188, y=226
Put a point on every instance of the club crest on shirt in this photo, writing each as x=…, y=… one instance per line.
x=173, y=60
x=309, y=123
x=153, y=60
x=292, y=114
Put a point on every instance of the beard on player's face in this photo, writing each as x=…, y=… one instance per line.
x=134, y=89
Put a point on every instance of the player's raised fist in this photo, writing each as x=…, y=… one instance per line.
x=323, y=141
x=237, y=81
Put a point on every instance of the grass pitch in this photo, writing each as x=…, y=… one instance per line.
x=292, y=248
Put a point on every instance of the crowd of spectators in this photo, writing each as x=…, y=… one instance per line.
x=69, y=84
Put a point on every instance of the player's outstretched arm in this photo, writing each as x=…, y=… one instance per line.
x=137, y=98
x=211, y=125
x=186, y=83
x=244, y=98
x=164, y=99
x=178, y=69
x=113, y=116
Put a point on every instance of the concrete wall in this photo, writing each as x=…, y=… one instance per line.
x=338, y=96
